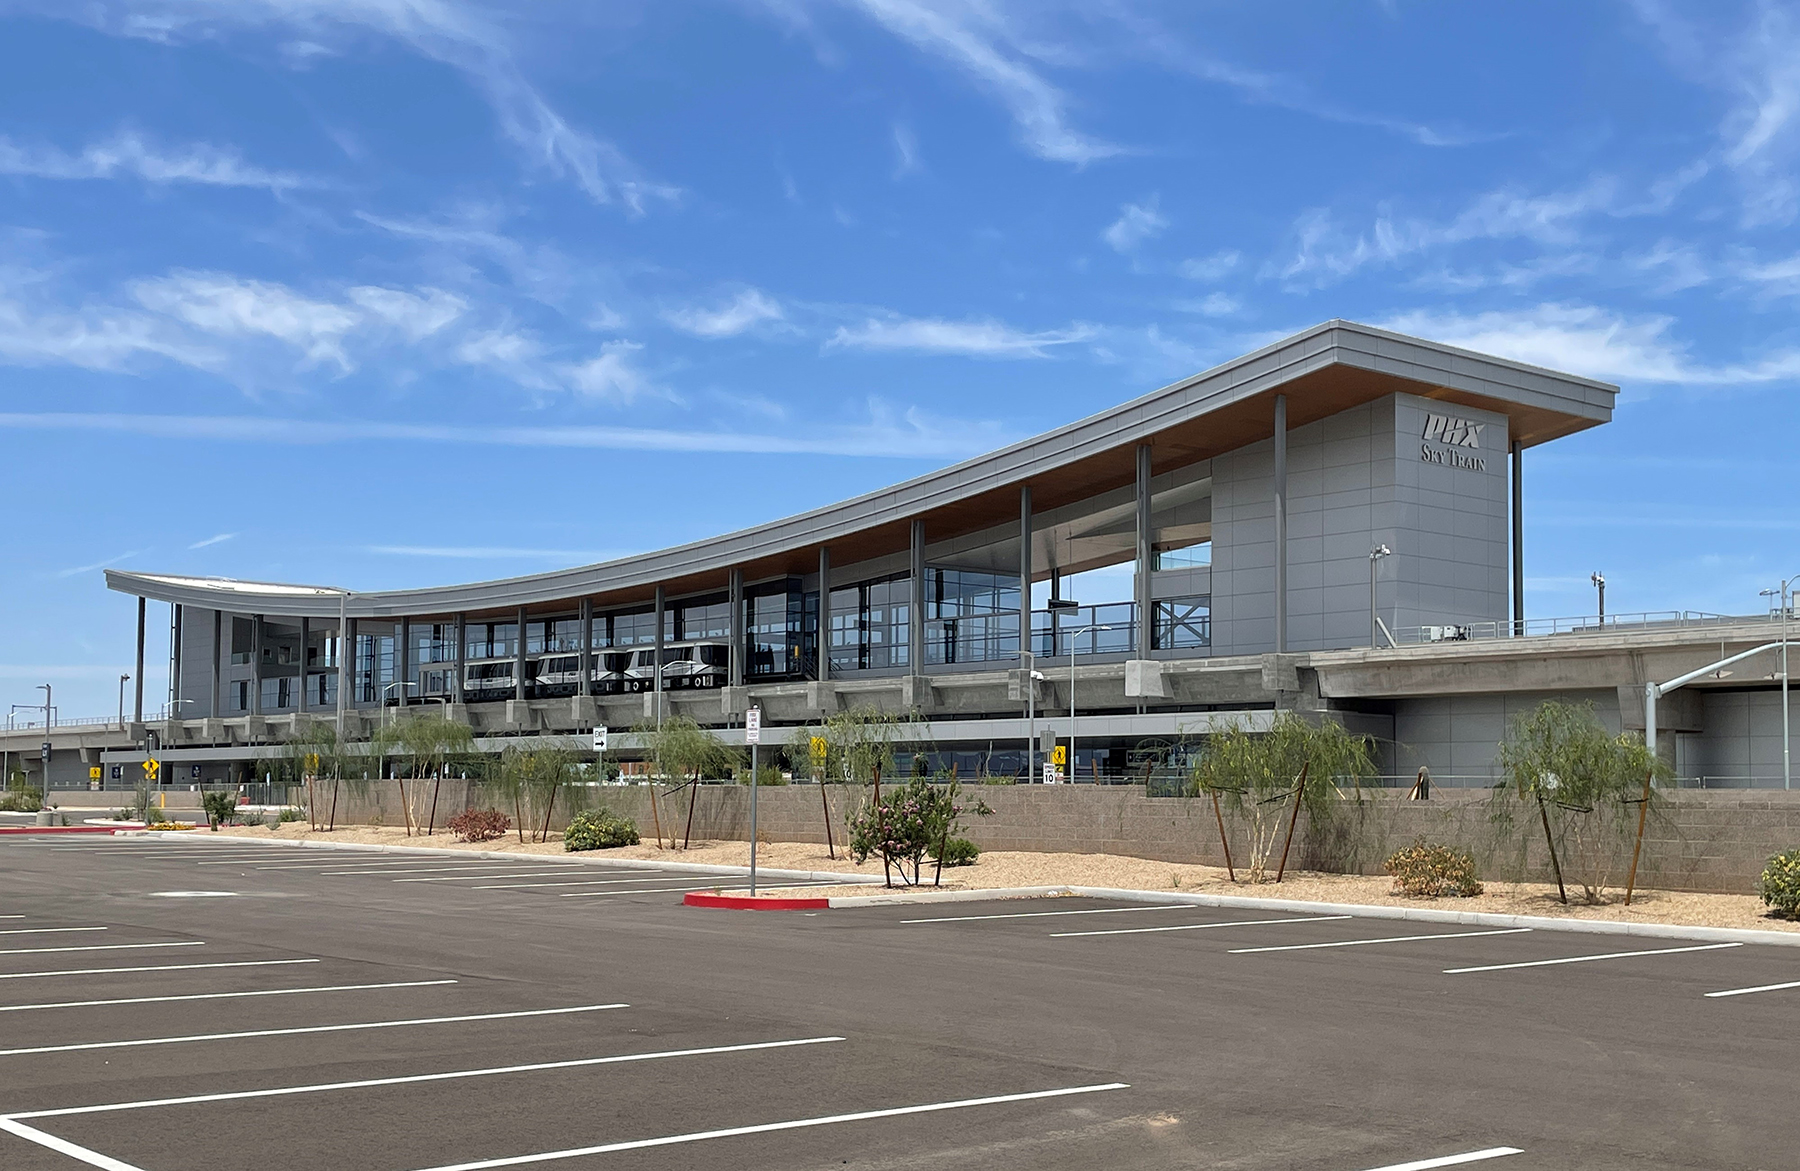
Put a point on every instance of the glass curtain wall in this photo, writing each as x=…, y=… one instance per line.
x=970, y=617
x=869, y=623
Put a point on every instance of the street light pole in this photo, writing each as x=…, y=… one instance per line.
x=1786, y=598
x=123, y=680
x=1032, y=679
x=1375, y=555
x=1072, y=638
x=1599, y=580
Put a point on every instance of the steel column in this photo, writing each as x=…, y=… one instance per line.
x=137, y=676
x=519, y=658
x=587, y=647
x=1146, y=558
x=915, y=624
x=305, y=633
x=822, y=669
x=1025, y=577
x=1518, y=537
x=1281, y=525
x=218, y=671
x=734, y=592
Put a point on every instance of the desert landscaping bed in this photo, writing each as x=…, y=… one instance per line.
x=999, y=870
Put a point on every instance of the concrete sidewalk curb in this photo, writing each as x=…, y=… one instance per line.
x=702, y=868
x=1360, y=910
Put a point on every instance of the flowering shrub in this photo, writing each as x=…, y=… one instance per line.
x=906, y=823
x=1780, y=886
x=1429, y=871
x=170, y=825
x=598, y=829
x=220, y=807
x=957, y=852
x=478, y=825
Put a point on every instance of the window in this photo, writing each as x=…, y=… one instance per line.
x=374, y=667
x=492, y=640
x=277, y=694
x=242, y=698
x=243, y=641
x=1187, y=557
x=708, y=618
x=433, y=643
x=322, y=690
x=634, y=628
x=970, y=617
x=869, y=624
x=776, y=635
x=1183, y=623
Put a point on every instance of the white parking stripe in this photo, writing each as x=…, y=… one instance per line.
x=491, y=874
x=63, y=1146
x=592, y=894
x=153, y=968
x=19, y=951
x=1611, y=955
x=404, y=864
x=1238, y=951
x=1451, y=1160
x=436, y=1020
x=586, y=882
x=1044, y=914
x=409, y=1079
x=45, y=930
x=223, y=995
x=470, y=865
x=1198, y=926
x=768, y=1127
x=1758, y=988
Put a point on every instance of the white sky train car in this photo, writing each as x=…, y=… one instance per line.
x=561, y=674
x=704, y=663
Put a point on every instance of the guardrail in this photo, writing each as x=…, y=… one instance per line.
x=1588, y=624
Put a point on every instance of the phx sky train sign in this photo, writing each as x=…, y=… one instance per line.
x=1453, y=434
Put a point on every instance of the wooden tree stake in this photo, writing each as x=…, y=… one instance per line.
x=1299, y=792
x=655, y=817
x=1223, y=840
x=1561, y=891
x=1637, y=848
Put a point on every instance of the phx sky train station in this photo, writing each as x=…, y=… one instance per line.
x=1330, y=525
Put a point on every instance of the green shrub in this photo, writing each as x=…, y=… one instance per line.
x=22, y=800
x=292, y=814
x=958, y=852
x=598, y=829
x=220, y=806
x=768, y=774
x=1427, y=870
x=1781, y=883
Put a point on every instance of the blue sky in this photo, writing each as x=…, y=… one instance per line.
x=384, y=293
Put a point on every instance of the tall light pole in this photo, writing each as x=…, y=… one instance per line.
x=1032, y=679
x=1375, y=556
x=1077, y=634
x=123, y=680
x=1786, y=596
x=1599, y=580
x=49, y=716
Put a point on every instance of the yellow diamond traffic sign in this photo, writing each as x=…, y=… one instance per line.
x=151, y=768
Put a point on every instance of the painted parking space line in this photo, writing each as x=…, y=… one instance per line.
x=1046, y=914
x=408, y=863
x=1452, y=1160
x=154, y=968
x=439, y=869
x=45, y=930
x=1610, y=955
x=594, y=894
x=63, y=1146
x=19, y=951
x=1198, y=926
x=770, y=1127
x=1238, y=951
x=584, y=882
x=356, y=1027
x=224, y=995
x=416, y=1078
x=1758, y=988
x=477, y=876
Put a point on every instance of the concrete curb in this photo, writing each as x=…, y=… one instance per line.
x=1360, y=910
x=700, y=898
x=504, y=856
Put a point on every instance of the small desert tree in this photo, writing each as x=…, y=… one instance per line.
x=429, y=745
x=1581, y=785
x=684, y=753
x=1269, y=778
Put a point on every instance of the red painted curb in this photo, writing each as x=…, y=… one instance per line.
x=700, y=898
x=56, y=829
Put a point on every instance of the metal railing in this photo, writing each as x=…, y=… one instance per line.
x=1587, y=624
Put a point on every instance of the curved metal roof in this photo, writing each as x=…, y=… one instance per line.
x=1322, y=370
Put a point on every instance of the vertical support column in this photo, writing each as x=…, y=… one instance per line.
x=462, y=658
x=519, y=658
x=256, y=649
x=822, y=669
x=347, y=646
x=137, y=675
x=403, y=660
x=1281, y=525
x=587, y=647
x=915, y=618
x=218, y=670
x=178, y=613
x=1518, y=537
x=1025, y=578
x=305, y=645
x=734, y=592
x=656, y=681
x=1146, y=558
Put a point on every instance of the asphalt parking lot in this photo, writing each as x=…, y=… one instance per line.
x=181, y=1005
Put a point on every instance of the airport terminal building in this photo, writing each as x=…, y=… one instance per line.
x=1329, y=525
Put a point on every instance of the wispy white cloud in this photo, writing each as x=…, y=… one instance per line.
x=906, y=150
x=610, y=374
x=127, y=153
x=749, y=308
x=1137, y=222
x=456, y=34
x=1212, y=305
x=933, y=335
x=977, y=39
x=1596, y=342
x=1210, y=268
x=78, y=570
x=225, y=306
x=217, y=539
x=887, y=433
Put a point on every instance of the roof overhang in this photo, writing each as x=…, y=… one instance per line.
x=1322, y=371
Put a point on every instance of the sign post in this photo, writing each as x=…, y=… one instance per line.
x=753, y=737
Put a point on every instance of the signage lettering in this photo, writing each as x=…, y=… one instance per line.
x=1453, y=433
